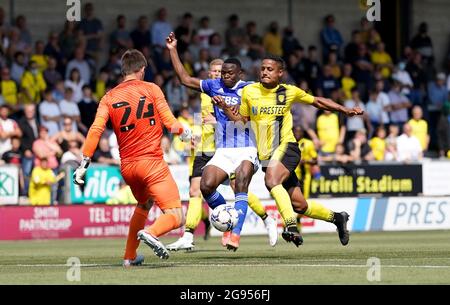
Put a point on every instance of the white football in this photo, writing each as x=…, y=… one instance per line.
x=224, y=218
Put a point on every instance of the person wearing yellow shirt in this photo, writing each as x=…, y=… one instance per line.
x=33, y=84
x=309, y=159
x=347, y=82
x=101, y=83
x=381, y=59
x=39, y=57
x=41, y=181
x=419, y=127
x=378, y=144
x=272, y=40
x=329, y=131
x=8, y=88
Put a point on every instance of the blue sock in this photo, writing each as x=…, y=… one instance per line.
x=215, y=200
x=241, y=206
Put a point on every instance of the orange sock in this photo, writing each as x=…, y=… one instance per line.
x=165, y=223
x=137, y=223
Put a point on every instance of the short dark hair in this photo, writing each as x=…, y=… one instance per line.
x=277, y=59
x=233, y=61
x=133, y=61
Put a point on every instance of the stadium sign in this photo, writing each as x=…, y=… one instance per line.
x=9, y=184
x=353, y=180
x=102, y=183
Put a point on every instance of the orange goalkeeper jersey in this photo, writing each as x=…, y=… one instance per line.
x=137, y=110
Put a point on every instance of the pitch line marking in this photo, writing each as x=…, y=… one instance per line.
x=176, y=264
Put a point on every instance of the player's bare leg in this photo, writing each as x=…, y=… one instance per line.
x=315, y=210
x=193, y=217
x=276, y=175
x=137, y=223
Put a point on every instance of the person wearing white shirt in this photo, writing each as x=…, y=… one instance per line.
x=402, y=76
x=408, y=146
x=383, y=101
x=50, y=113
x=81, y=64
x=76, y=83
x=69, y=108
x=8, y=129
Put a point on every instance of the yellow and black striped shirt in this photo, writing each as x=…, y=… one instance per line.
x=270, y=114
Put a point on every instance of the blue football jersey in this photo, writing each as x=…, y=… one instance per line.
x=227, y=133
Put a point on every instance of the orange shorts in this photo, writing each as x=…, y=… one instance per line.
x=152, y=180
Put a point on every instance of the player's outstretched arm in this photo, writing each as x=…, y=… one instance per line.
x=327, y=104
x=232, y=112
x=182, y=74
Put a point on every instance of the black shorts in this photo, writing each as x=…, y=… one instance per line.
x=290, y=158
x=199, y=163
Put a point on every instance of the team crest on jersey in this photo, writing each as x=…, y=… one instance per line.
x=281, y=99
x=255, y=110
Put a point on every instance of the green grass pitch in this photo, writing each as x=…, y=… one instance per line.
x=406, y=258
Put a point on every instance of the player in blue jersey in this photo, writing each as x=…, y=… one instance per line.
x=236, y=154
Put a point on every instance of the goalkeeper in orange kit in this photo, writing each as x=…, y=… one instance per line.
x=137, y=111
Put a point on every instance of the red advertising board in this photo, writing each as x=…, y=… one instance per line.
x=77, y=221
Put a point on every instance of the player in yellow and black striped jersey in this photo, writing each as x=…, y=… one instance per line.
x=266, y=106
x=204, y=149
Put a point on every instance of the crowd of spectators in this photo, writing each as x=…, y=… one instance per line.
x=49, y=90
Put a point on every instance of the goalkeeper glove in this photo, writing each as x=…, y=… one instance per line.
x=186, y=135
x=80, y=172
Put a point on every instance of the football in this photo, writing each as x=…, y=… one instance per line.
x=224, y=218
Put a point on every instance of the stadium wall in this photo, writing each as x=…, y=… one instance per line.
x=307, y=15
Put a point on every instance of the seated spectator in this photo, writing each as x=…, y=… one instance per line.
x=176, y=95
x=68, y=134
x=357, y=122
x=42, y=179
x=419, y=127
x=8, y=89
x=362, y=70
x=102, y=83
x=339, y=156
x=408, y=146
x=359, y=149
x=45, y=147
x=382, y=60
x=215, y=45
x=120, y=37
x=378, y=144
x=50, y=113
x=402, y=76
x=79, y=63
x=203, y=61
x=15, y=155
x=205, y=31
x=33, y=84
x=8, y=129
x=335, y=65
x=313, y=70
x=58, y=91
x=88, y=107
x=122, y=195
x=51, y=75
x=29, y=126
x=347, y=82
x=437, y=92
x=328, y=82
x=330, y=132
x=399, y=104
x=141, y=34
x=114, y=146
x=103, y=153
x=76, y=83
x=92, y=29
x=330, y=37
x=38, y=57
x=69, y=109
x=272, y=40
x=170, y=155
x=72, y=155
x=391, y=143
x=18, y=67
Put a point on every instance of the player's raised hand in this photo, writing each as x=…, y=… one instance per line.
x=354, y=111
x=171, y=41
